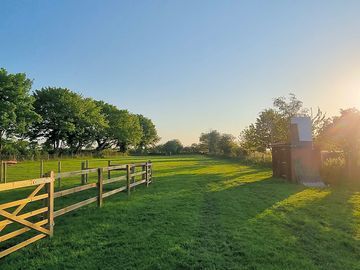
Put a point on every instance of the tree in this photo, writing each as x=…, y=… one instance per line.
x=124, y=129
x=149, y=134
x=128, y=130
x=249, y=139
x=343, y=133
x=273, y=125
x=88, y=121
x=209, y=142
x=16, y=109
x=227, y=145
x=68, y=119
x=105, y=137
x=172, y=147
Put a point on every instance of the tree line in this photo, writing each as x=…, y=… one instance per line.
x=58, y=120
x=339, y=134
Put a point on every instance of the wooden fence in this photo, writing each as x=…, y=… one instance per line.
x=45, y=190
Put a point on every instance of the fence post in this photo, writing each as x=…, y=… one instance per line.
x=82, y=175
x=143, y=169
x=150, y=172
x=128, y=179
x=100, y=187
x=1, y=172
x=59, y=172
x=41, y=168
x=109, y=172
x=147, y=174
x=50, y=203
x=4, y=171
x=133, y=168
x=87, y=175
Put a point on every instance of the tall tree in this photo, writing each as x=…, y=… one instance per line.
x=88, y=121
x=68, y=118
x=128, y=131
x=172, y=147
x=16, y=109
x=105, y=138
x=149, y=134
x=227, y=145
x=123, y=130
x=209, y=142
x=273, y=125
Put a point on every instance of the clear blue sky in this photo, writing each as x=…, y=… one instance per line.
x=190, y=66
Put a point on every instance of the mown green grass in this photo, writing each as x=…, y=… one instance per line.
x=203, y=213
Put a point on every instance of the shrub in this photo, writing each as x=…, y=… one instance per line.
x=333, y=171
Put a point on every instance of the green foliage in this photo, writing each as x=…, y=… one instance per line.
x=88, y=123
x=172, y=147
x=123, y=129
x=68, y=118
x=59, y=109
x=227, y=145
x=200, y=213
x=333, y=171
x=215, y=143
x=273, y=125
x=149, y=134
x=128, y=131
x=209, y=142
x=16, y=109
x=64, y=121
x=20, y=148
x=343, y=133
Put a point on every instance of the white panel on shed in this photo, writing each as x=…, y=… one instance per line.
x=304, y=128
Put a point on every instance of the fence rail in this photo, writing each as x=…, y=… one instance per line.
x=45, y=190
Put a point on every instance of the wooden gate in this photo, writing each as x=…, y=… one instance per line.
x=44, y=227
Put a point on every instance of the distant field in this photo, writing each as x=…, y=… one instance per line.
x=200, y=213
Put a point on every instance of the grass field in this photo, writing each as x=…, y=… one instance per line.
x=201, y=213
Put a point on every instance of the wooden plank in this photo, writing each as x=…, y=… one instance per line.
x=74, y=207
x=147, y=174
x=100, y=187
x=87, y=175
x=4, y=172
x=109, y=193
x=109, y=172
x=128, y=179
x=59, y=174
x=137, y=183
x=74, y=173
x=21, y=245
x=25, y=183
x=24, y=222
x=115, y=167
x=139, y=164
x=83, y=175
x=50, y=204
x=23, y=201
x=69, y=191
x=115, y=179
x=13, y=234
x=1, y=171
x=132, y=174
x=3, y=223
x=138, y=173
